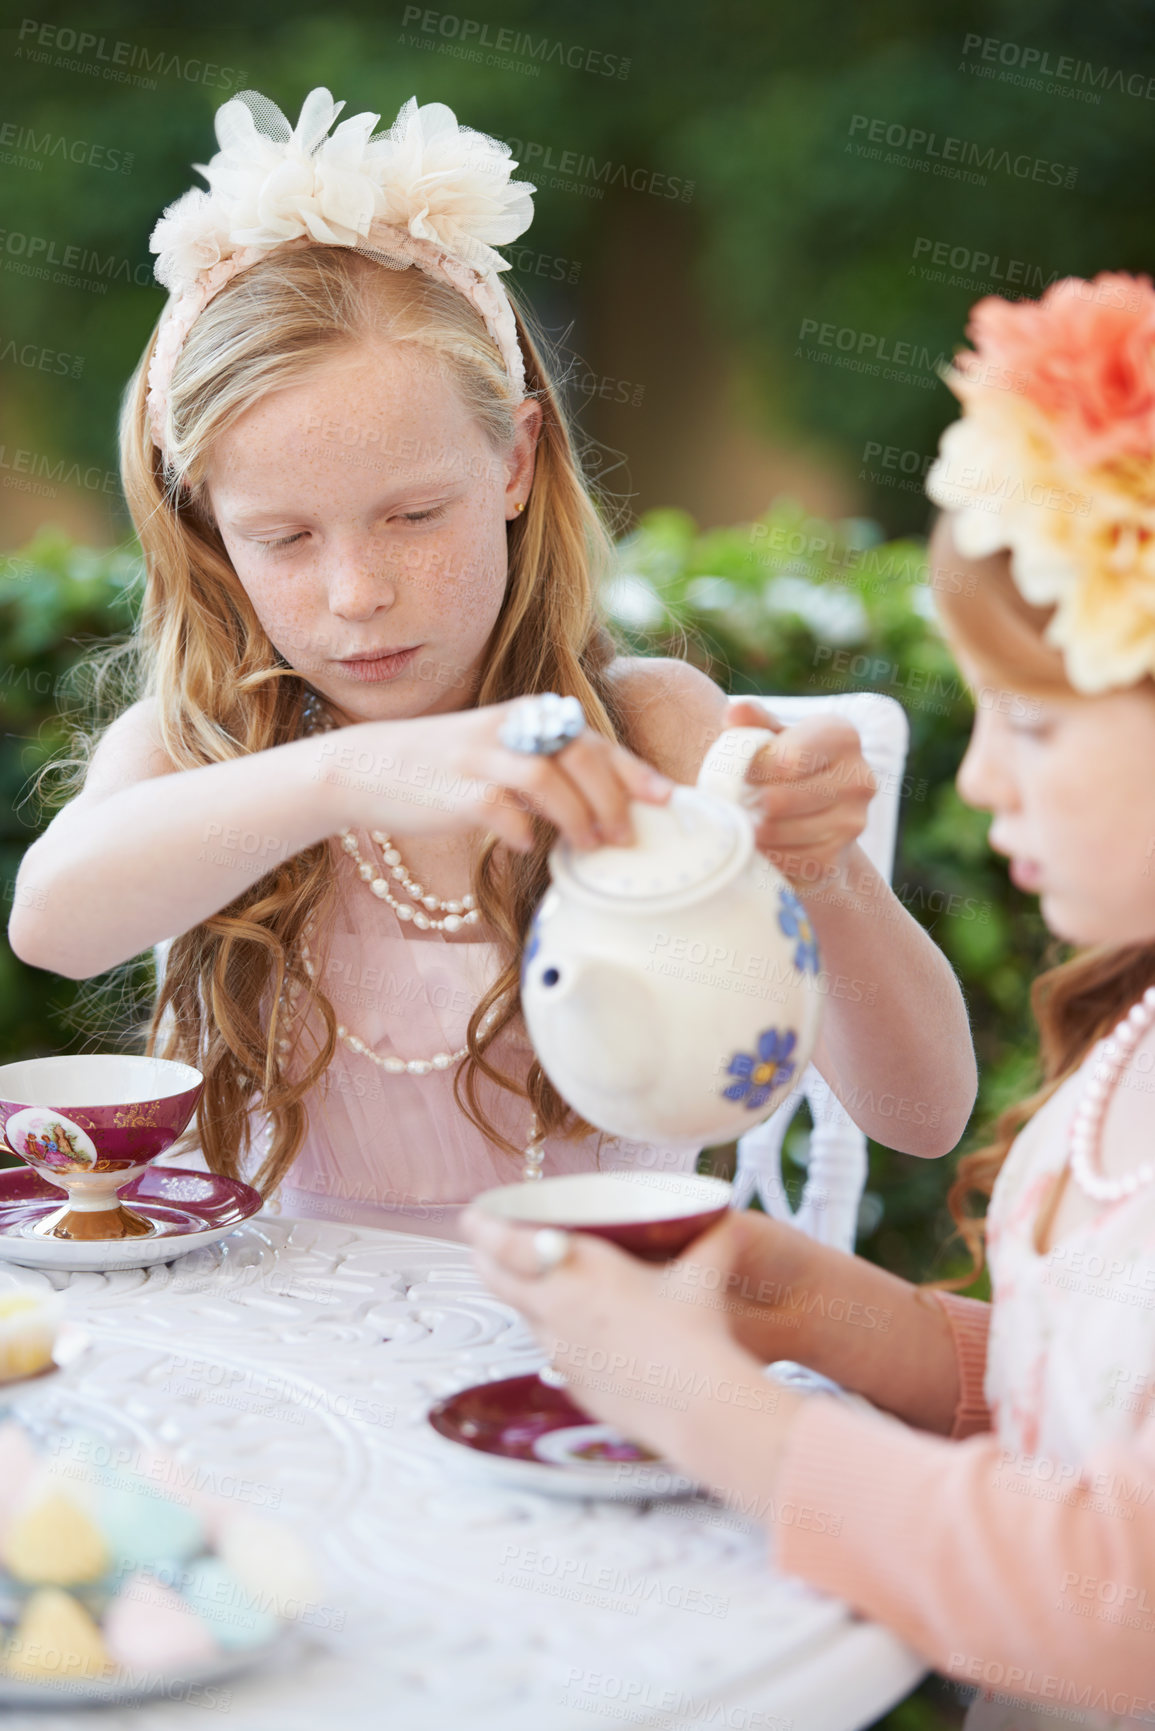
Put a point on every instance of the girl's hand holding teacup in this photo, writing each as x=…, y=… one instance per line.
x=647, y=1348
x=814, y=790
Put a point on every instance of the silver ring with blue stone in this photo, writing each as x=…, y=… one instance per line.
x=543, y=725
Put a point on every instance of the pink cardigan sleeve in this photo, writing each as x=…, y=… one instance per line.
x=970, y=1322
x=1020, y=1574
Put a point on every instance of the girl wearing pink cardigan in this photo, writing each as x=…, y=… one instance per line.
x=997, y=1508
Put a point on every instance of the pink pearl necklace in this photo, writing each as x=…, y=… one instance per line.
x=1111, y=1057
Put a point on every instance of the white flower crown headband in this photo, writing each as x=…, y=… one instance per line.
x=427, y=192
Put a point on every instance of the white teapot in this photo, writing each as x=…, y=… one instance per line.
x=670, y=988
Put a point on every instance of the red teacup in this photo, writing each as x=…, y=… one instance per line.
x=654, y=1215
x=92, y=1123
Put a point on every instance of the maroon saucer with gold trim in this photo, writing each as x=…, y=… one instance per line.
x=523, y=1432
x=185, y=1209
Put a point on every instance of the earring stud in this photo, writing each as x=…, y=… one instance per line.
x=520, y=506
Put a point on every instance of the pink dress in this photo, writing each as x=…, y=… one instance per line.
x=396, y=1151
x=1019, y=1557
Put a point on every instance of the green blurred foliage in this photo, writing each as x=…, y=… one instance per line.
x=58, y=601
x=764, y=110
x=935, y=1705
x=824, y=212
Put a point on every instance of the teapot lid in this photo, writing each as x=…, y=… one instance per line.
x=682, y=847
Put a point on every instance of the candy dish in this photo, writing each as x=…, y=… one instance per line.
x=185, y=1210
x=118, y=1580
x=522, y=1432
x=193, y=1683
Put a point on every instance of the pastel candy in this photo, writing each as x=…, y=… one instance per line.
x=158, y=1468
x=142, y=1524
x=18, y=1463
x=29, y=1322
x=270, y=1560
x=236, y=1617
x=52, y=1542
x=55, y=1639
x=148, y=1627
x=143, y=1529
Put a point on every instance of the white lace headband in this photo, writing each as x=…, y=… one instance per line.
x=427, y=192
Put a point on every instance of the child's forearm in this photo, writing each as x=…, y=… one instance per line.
x=107, y=880
x=850, y=1320
x=986, y=1558
x=895, y=1038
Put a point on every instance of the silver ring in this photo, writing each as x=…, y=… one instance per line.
x=540, y=726
x=551, y=1246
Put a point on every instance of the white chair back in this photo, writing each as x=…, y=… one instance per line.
x=836, y=1172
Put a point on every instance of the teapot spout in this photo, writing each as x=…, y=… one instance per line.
x=596, y=1029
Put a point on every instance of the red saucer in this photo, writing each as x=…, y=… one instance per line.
x=533, y=1435
x=508, y=1418
x=189, y=1208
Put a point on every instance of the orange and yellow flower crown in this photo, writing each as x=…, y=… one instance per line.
x=1053, y=459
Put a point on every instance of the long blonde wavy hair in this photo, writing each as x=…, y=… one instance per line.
x=222, y=691
x=1079, y=1001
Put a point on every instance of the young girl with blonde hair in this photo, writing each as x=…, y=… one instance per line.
x=367, y=544
x=999, y=1513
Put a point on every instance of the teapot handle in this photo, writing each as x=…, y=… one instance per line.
x=724, y=771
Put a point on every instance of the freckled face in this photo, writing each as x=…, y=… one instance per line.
x=366, y=510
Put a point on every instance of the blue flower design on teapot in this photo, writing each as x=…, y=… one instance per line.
x=760, y=1072
x=795, y=922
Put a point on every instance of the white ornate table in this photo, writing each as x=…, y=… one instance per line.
x=290, y=1366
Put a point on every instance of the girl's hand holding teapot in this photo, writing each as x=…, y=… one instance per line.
x=814, y=788
x=451, y=773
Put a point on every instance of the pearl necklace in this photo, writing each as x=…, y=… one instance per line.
x=457, y=913
x=392, y=1065
x=1110, y=1059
